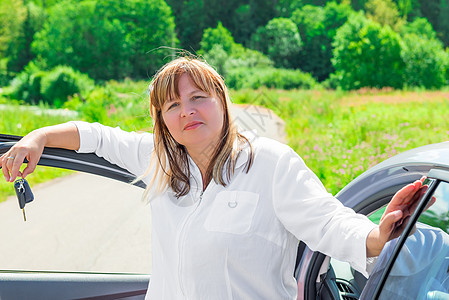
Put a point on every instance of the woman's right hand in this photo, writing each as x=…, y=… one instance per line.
x=30, y=147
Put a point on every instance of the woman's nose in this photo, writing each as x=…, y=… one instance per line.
x=187, y=109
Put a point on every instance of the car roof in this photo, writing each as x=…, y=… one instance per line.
x=391, y=174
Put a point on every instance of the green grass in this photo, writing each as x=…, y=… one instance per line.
x=341, y=134
x=338, y=134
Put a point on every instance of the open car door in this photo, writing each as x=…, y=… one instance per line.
x=102, y=261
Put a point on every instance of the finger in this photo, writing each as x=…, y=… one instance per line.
x=416, y=198
x=17, y=163
x=406, y=193
x=6, y=164
x=389, y=223
x=28, y=170
x=431, y=202
x=5, y=171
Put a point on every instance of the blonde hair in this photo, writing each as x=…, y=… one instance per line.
x=169, y=163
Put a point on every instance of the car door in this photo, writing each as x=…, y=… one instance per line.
x=94, y=251
x=416, y=265
x=322, y=277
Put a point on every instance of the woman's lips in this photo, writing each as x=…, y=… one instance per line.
x=192, y=125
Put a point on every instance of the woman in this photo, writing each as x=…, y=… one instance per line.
x=228, y=209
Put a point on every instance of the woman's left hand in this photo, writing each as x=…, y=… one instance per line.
x=396, y=216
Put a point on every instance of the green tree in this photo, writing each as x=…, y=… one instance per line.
x=12, y=14
x=217, y=36
x=148, y=25
x=107, y=38
x=191, y=20
x=285, y=8
x=19, y=50
x=77, y=36
x=280, y=40
x=367, y=54
x=317, y=27
x=358, y=4
x=443, y=22
x=408, y=9
x=420, y=26
x=425, y=62
x=437, y=11
x=384, y=12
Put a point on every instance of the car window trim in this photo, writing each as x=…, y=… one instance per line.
x=72, y=160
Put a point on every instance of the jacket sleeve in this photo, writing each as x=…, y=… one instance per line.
x=315, y=217
x=129, y=150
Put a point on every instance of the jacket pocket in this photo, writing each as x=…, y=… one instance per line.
x=232, y=212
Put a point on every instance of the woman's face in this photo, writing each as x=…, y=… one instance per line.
x=195, y=120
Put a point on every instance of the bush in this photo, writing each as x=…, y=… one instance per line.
x=240, y=57
x=33, y=85
x=26, y=85
x=367, y=55
x=62, y=82
x=255, y=78
x=94, y=107
x=425, y=62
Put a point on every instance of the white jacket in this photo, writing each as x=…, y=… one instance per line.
x=238, y=241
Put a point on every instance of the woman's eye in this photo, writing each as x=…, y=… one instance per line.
x=171, y=106
x=197, y=97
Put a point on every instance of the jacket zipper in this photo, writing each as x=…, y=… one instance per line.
x=181, y=241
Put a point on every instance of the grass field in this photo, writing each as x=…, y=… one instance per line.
x=338, y=134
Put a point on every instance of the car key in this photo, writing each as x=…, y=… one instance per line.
x=24, y=194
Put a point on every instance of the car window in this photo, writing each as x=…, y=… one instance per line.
x=421, y=268
x=77, y=223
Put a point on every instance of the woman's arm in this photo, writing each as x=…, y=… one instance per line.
x=32, y=145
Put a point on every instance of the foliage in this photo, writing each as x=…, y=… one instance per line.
x=384, y=12
x=109, y=105
x=220, y=51
x=241, y=57
x=12, y=14
x=317, y=27
x=280, y=40
x=255, y=78
x=367, y=55
x=425, y=62
x=242, y=18
x=436, y=11
x=19, y=51
x=217, y=57
x=53, y=87
x=217, y=36
x=5, y=75
x=248, y=58
x=107, y=38
x=26, y=85
x=419, y=26
x=147, y=25
x=62, y=82
x=285, y=8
